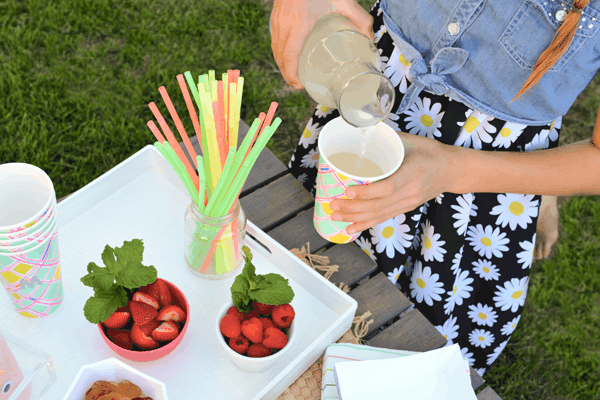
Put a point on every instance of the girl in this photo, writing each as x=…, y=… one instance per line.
x=480, y=85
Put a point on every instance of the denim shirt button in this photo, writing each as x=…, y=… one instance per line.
x=561, y=15
x=453, y=28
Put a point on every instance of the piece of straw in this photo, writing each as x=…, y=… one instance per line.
x=238, y=106
x=225, y=99
x=174, y=144
x=223, y=183
x=220, y=134
x=232, y=121
x=202, y=184
x=210, y=133
x=156, y=132
x=187, y=180
x=222, y=113
x=270, y=115
x=178, y=124
x=190, y=107
x=176, y=167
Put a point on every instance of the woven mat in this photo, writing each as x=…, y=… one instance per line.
x=308, y=385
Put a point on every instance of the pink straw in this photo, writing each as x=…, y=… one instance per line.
x=270, y=115
x=224, y=127
x=175, y=144
x=220, y=135
x=191, y=109
x=156, y=132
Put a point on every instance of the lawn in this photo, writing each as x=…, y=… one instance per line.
x=75, y=83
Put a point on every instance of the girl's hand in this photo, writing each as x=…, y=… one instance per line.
x=429, y=169
x=293, y=20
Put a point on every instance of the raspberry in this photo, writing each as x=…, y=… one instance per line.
x=252, y=314
x=264, y=309
x=258, y=350
x=233, y=310
x=283, y=315
x=267, y=323
x=230, y=326
x=239, y=344
x=253, y=330
x=274, y=338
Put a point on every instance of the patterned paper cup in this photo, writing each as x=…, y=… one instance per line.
x=26, y=194
x=44, y=228
x=32, y=278
x=34, y=230
x=29, y=243
x=384, y=147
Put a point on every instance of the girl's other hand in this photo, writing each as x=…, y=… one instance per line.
x=547, y=227
x=293, y=20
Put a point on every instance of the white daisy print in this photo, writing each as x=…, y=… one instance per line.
x=512, y=295
x=439, y=198
x=323, y=111
x=526, y=256
x=456, y=261
x=515, y=209
x=460, y=290
x=365, y=246
x=395, y=274
x=476, y=130
x=482, y=315
x=486, y=270
x=398, y=70
x=391, y=235
x=424, y=119
x=302, y=178
x=492, y=357
x=551, y=134
x=465, y=209
x=310, y=134
x=486, y=241
x=536, y=143
x=310, y=160
x=382, y=58
x=481, y=338
x=508, y=134
x=450, y=329
x=466, y=355
x=510, y=326
x=424, y=285
x=391, y=119
x=480, y=371
x=379, y=34
x=432, y=246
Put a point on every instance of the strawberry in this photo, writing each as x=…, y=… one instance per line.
x=267, y=323
x=167, y=331
x=283, y=315
x=117, y=320
x=149, y=326
x=145, y=298
x=258, y=350
x=274, y=338
x=233, y=310
x=230, y=326
x=253, y=330
x=264, y=309
x=145, y=289
x=171, y=313
x=252, y=314
x=154, y=291
x=141, y=340
x=164, y=293
x=239, y=344
x=120, y=337
x=142, y=312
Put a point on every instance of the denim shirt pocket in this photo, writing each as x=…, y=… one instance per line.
x=532, y=28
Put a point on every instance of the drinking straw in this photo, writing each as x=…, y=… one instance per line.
x=178, y=124
x=202, y=184
x=270, y=115
x=176, y=167
x=213, y=90
x=232, y=120
x=211, y=76
x=225, y=81
x=238, y=105
x=175, y=144
x=156, y=132
x=222, y=182
x=220, y=134
x=222, y=113
x=186, y=179
x=190, y=107
x=213, y=149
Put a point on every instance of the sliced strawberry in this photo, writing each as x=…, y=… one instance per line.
x=264, y=309
x=142, y=312
x=258, y=350
x=146, y=298
x=252, y=314
x=167, y=331
x=120, y=337
x=117, y=320
x=154, y=291
x=171, y=313
x=239, y=344
x=142, y=340
x=230, y=326
x=233, y=310
x=149, y=326
x=164, y=293
x=283, y=315
x=253, y=330
x=274, y=339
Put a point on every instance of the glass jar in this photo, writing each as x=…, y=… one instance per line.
x=213, y=246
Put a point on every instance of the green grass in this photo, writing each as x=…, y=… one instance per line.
x=77, y=77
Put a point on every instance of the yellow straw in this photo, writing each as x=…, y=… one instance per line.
x=238, y=107
x=226, y=97
x=211, y=135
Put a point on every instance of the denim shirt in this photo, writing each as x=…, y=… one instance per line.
x=480, y=52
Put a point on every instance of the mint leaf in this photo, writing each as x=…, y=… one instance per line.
x=274, y=291
x=98, y=277
x=239, y=293
x=104, y=302
x=135, y=276
x=128, y=267
x=247, y=254
x=108, y=257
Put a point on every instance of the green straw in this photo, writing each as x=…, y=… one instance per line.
x=202, y=184
x=186, y=177
x=175, y=167
x=222, y=184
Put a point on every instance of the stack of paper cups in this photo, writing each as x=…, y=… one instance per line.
x=29, y=254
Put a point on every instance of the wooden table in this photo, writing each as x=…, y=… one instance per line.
x=279, y=205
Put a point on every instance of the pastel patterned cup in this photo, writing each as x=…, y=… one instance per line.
x=384, y=148
x=26, y=196
x=28, y=243
x=32, y=278
x=32, y=231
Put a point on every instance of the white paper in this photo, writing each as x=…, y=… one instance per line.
x=437, y=374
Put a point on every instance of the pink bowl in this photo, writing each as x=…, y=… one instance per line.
x=150, y=355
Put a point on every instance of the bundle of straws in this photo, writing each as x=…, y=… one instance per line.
x=223, y=168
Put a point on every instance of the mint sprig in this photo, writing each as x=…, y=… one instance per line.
x=271, y=289
x=112, y=284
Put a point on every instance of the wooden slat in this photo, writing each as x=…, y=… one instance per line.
x=277, y=202
x=298, y=231
x=379, y=296
x=354, y=264
x=488, y=394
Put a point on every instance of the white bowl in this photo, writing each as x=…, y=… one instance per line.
x=114, y=370
x=251, y=364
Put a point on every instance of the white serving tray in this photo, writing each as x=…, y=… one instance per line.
x=143, y=198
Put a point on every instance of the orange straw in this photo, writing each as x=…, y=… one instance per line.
x=156, y=132
x=178, y=124
x=191, y=109
x=270, y=115
x=220, y=136
x=175, y=144
x=222, y=116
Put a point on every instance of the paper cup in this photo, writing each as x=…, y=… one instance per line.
x=26, y=194
x=32, y=278
x=384, y=148
x=35, y=229
x=30, y=242
x=37, y=236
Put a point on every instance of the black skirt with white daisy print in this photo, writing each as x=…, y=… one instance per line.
x=463, y=260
